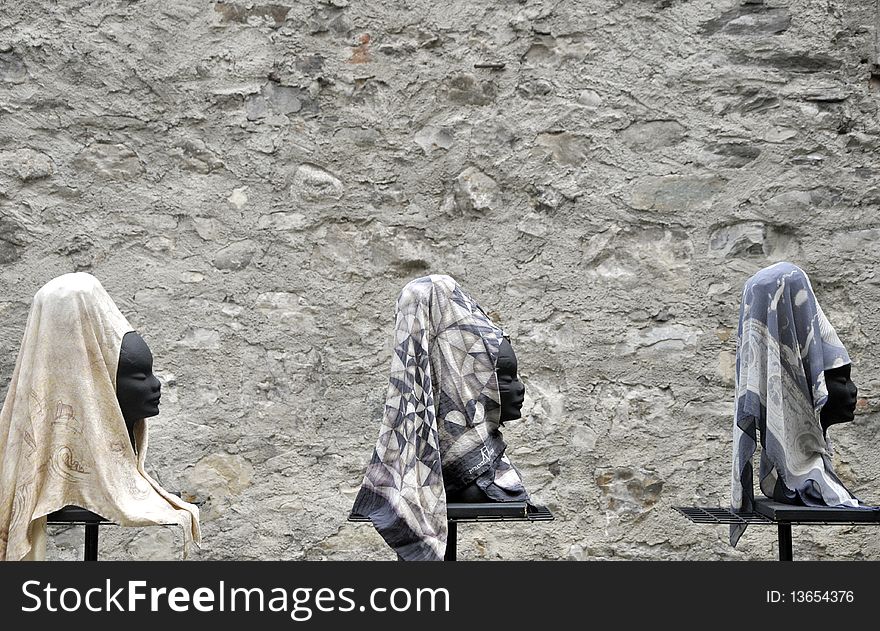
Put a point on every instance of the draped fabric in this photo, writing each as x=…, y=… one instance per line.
x=63, y=439
x=440, y=428
x=785, y=343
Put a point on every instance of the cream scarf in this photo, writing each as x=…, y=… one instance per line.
x=63, y=439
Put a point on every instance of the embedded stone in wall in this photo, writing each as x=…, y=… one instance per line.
x=533, y=224
x=238, y=198
x=207, y=228
x=671, y=193
x=623, y=255
x=863, y=142
x=310, y=64
x=824, y=91
x=858, y=244
x=810, y=157
x=789, y=207
x=726, y=369
x=279, y=99
x=12, y=68
x=199, y=338
x=404, y=251
x=473, y=190
x=252, y=14
x=194, y=155
x=26, y=164
x=629, y=491
x=584, y=438
x=668, y=338
x=545, y=197
x=466, y=89
x=738, y=240
x=216, y=478
x=330, y=19
x=542, y=51
x=651, y=135
x=283, y=221
x=12, y=240
x=779, y=134
x=360, y=54
x=430, y=138
x=160, y=543
x=564, y=148
x=399, y=47
x=729, y=154
x=750, y=19
x=534, y=88
x=113, y=161
x=313, y=184
x=778, y=242
x=282, y=306
x=638, y=409
x=235, y=256
x=589, y=98
x=751, y=100
x=190, y=277
x=712, y=416
x=790, y=61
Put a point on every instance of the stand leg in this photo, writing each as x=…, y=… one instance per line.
x=451, y=541
x=91, y=544
x=785, y=553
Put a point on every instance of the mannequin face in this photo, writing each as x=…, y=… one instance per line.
x=137, y=388
x=842, y=396
x=511, y=388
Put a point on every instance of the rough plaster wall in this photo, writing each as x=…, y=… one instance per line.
x=255, y=183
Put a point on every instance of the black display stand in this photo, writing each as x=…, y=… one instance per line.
x=75, y=516
x=480, y=512
x=783, y=516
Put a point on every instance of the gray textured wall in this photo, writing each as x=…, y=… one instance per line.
x=255, y=183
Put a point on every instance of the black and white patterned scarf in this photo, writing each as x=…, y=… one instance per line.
x=440, y=426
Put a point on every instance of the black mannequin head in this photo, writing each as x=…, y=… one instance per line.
x=842, y=397
x=137, y=388
x=511, y=388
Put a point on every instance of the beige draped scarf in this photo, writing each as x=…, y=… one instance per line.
x=63, y=439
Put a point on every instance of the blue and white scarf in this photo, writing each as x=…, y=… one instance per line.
x=785, y=345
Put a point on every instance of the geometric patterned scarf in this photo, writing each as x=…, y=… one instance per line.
x=784, y=346
x=440, y=425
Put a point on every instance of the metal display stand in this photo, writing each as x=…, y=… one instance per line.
x=480, y=512
x=783, y=516
x=75, y=516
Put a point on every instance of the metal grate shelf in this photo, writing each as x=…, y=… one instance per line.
x=716, y=515
x=773, y=513
x=784, y=516
x=495, y=512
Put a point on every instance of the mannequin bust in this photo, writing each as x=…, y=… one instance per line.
x=138, y=393
x=512, y=392
x=839, y=408
x=137, y=388
x=842, y=397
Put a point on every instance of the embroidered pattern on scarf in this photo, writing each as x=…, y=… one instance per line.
x=63, y=439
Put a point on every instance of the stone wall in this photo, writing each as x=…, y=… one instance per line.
x=254, y=183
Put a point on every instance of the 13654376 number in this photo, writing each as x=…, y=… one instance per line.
x=822, y=596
